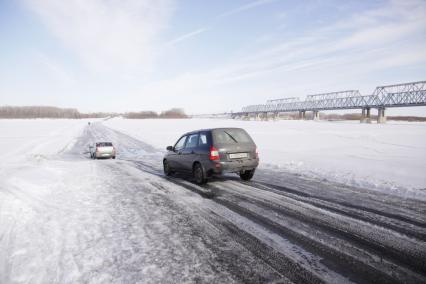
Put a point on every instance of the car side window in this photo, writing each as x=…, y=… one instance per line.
x=180, y=144
x=192, y=141
x=202, y=141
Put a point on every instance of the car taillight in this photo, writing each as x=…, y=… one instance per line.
x=214, y=154
x=113, y=149
x=257, y=153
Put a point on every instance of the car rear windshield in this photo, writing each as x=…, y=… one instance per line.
x=104, y=144
x=231, y=136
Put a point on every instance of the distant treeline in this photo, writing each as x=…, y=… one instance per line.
x=172, y=113
x=350, y=116
x=407, y=118
x=55, y=112
x=38, y=112
x=323, y=116
x=357, y=116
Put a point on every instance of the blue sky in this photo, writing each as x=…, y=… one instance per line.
x=204, y=56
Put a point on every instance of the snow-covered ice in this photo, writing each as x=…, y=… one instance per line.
x=26, y=138
x=65, y=218
x=388, y=156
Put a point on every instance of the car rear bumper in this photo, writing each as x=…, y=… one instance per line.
x=104, y=155
x=219, y=167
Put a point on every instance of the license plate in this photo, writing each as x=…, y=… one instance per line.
x=238, y=155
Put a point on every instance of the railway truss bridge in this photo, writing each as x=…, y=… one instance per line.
x=399, y=95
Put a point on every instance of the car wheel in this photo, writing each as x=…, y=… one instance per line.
x=199, y=175
x=166, y=167
x=247, y=175
x=113, y=157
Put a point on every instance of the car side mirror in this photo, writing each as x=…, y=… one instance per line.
x=169, y=148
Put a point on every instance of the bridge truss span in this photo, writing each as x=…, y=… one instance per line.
x=398, y=95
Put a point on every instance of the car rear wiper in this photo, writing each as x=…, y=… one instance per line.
x=232, y=137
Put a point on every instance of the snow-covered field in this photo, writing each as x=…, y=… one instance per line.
x=390, y=156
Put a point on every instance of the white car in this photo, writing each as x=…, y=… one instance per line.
x=102, y=150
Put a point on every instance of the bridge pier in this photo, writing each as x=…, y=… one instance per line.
x=276, y=115
x=261, y=116
x=265, y=116
x=363, y=116
x=302, y=115
x=315, y=115
x=366, y=115
x=381, y=117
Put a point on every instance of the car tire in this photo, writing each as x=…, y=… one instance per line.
x=247, y=175
x=199, y=174
x=113, y=157
x=166, y=167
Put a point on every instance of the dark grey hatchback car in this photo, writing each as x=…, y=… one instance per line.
x=209, y=152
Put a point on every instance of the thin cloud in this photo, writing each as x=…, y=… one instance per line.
x=186, y=36
x=245, y=7
x=225, y=14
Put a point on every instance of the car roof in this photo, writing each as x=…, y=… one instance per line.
x=209, y=129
